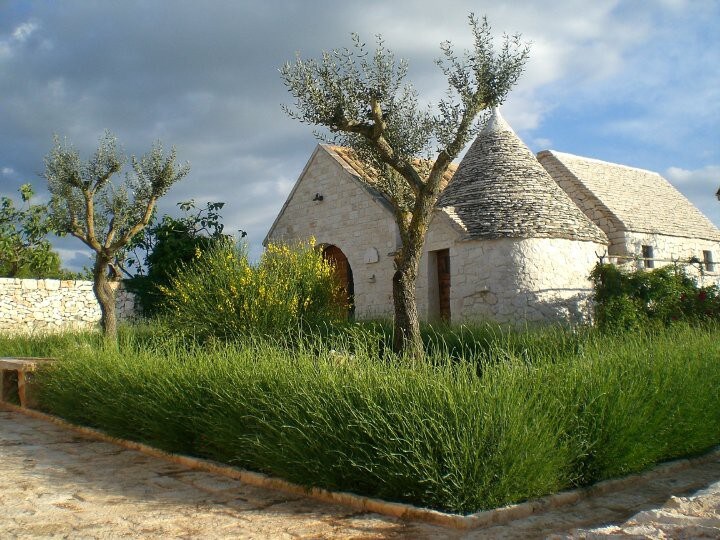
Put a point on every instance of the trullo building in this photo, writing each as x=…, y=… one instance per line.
x=513, y=238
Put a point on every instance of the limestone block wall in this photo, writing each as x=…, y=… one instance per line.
x=553, y=276
x=510, y=280
x=351, y=218
x=667, y=249
x=47, y=305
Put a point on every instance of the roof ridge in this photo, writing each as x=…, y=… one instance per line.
x=620, y=188
x=596, y=160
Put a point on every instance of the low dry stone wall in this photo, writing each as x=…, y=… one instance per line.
x=47, y=305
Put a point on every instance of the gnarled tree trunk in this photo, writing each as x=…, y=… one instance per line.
x=406, y=337
x=105, y=294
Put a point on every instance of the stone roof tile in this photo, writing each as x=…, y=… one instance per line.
x=349, y=159
x=500, y=190
x=640, y=200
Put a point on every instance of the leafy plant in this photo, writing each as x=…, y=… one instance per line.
x=222, y=295
x=632, y=299
x=164, y=247
x=25, y=251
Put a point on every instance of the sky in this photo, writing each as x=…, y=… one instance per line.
x=630, y=82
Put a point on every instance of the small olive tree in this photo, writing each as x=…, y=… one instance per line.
x=106, y=216
x=365, y=103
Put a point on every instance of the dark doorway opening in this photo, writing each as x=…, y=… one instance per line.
x=443, y=279
x=343, y=274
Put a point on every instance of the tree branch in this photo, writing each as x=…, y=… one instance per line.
x=139, y=226
x=90, y=220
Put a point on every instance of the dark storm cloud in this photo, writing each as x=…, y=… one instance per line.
x=204, y=77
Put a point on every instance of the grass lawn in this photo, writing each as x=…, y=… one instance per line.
x=493, y=417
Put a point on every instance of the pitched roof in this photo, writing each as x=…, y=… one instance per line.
x=638, y=200
x=500, y=190
x=349, y=159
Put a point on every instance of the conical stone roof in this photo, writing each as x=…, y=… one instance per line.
x=500, y=190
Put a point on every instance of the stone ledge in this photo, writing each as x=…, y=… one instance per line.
x=497, y=516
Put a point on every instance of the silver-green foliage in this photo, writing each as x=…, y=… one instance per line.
x=365, y=102
x=88, y=205
x=104, y=215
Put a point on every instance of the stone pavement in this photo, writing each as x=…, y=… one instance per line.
x=57, y=484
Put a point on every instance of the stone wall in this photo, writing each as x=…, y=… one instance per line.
x=48, y=305
x=667, y=249
x=349, y=217
x=509, y=280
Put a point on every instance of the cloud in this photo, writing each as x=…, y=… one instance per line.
x=7, y=171
x=700, y=186
x=708, y=175
x=19, y=35
x=606, y=79
x=23, y=31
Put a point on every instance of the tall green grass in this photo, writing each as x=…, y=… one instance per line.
x=343, y=413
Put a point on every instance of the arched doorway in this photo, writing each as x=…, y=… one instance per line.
x=343, y=273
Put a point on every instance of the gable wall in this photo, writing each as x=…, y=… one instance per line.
x=584, y=199
x=350, y=218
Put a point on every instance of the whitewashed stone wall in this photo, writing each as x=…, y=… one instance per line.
x=509, y=280
x=352, y=219
x=667, y=249
x=47, y=305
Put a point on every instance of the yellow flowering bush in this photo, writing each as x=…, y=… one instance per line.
x=221, y=294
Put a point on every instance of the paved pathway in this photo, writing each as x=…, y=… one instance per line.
x=56, y=484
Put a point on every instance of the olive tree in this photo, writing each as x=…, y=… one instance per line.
x=104, y=215
x=365, y=103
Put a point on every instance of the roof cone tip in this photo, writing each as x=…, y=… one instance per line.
x=496, y=122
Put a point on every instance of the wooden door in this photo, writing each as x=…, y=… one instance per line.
x=343, y=274
x=443, y=274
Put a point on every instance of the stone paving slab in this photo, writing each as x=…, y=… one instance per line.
x=57, y=484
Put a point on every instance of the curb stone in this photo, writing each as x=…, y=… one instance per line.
x=497, y=516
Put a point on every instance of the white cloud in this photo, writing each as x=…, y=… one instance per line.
x=541, y=143
x=708, y=175
x=699, y=186
x=18, y=36
x=622, y=81
x=7, y=171
x=23, y=31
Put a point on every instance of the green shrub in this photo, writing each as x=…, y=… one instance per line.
x=626, y=300
x=222, y=295
x=168, y=245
